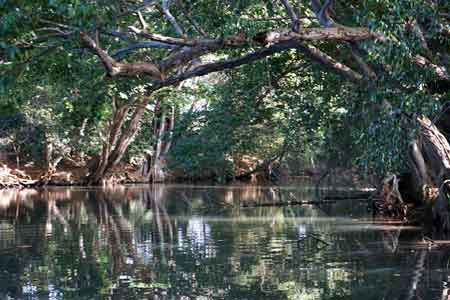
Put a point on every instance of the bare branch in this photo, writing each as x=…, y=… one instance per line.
x=207, y=46
x=58, y=31
x=194, y=48
x=292, y=15
x=171, y=18
x=120, y=35
x=439, y=71
x=227, y=64
x=115, y=68
x=121, y=53
x=194, y=24
x=97, y=37
x=107, y=61
x=269, y=37
x=51, y=29
x=415, y=28
x=166, y=39
x=60, y=25
x=421, y=37
x=317, y=34
x=358, y=57
x=142, y=21
x=42, y=38
x=329, y=62
x=323, y=12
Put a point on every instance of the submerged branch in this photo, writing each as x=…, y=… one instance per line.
x=288, y=203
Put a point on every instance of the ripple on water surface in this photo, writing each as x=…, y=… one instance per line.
x=197, y=242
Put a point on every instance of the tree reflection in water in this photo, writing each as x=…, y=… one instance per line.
x=184, y=242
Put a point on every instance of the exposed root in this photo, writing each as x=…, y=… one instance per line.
x=392, y=203
x=14, y=178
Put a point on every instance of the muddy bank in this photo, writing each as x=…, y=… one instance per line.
x=73, y=176
x=77, y=175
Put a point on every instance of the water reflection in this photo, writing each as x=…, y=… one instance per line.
x=185, y=242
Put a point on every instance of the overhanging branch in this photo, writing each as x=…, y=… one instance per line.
x=228, y=63
x=317, y=34
x=439, y=71
x=171, y=18
x=329, y=62
x=121, y=53
x=115, y=68
x=292, y=15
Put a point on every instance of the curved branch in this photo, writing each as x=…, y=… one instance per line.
x=439, y=71
x=292, y=15
x=357, y=55
x=329, y=62
x=228, y=63
x=171, y=18
x=232, y=40
x=322, y=12
x=194, y=24
x=115, y=68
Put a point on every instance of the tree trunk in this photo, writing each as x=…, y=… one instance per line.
x=148, y=163
x=127, y=136
x=436, y=155
x=48, y=149
x=118, y=138
x=428, y=183
x=114, y=129
x=162, y=146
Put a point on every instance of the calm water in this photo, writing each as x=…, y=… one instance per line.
x=196, y=242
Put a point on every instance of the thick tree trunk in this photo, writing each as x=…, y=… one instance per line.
x=436, y=155
x=116, y=145
x=127, y=136
x=115, y=127
x=428, y=183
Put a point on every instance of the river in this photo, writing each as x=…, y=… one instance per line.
x=198, y=242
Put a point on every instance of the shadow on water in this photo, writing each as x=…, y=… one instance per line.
x=197, y=242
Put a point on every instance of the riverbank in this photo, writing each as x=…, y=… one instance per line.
x=73, y=176
x=12, y=178
x=76, y=175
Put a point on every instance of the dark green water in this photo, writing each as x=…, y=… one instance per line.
x=191, y=242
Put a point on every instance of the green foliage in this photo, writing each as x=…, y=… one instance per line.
x=285, y=104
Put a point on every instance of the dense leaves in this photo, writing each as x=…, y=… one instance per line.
x=342, y=103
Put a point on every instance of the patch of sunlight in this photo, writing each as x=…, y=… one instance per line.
x=295, y=292
x=150, y=285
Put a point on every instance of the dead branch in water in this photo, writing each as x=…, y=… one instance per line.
x=350, y=195
x=313, y=236
x=288, y=203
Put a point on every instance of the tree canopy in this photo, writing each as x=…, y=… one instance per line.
x=204, y=83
